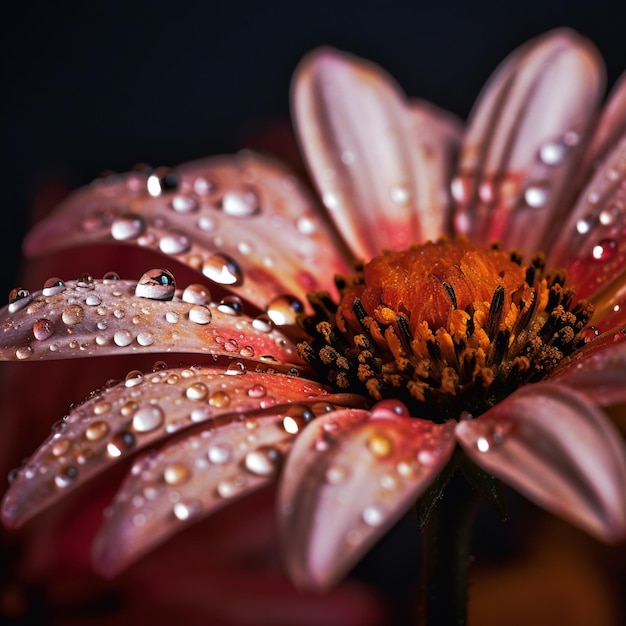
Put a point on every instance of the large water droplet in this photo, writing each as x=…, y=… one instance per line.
x=53, y=286
x=552, y=153
x=156, y=284
x=184, y=204
x=219, y=453
x=197, y=391
x=43, y=329
x=221, y=269
x=284, y=310
x=231, y=305
x=240, y=204
x=176, y=473
x=66, y=476
x=148, y=418
x=200, y=314
x=536, y=195
x=174, y=243
x=74, y=314
x=604, y=250
x=262, y=462
x=120, y=443
x=96, y=431
x=196, y=294
x=163, y=180
x=127, y=226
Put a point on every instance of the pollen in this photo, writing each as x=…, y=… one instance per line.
x=447, y=327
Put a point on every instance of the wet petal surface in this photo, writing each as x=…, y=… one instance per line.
x=142, y=409
x=90, y=317
x=349, y=477
x=381, y=164
x=244, y=222
x=555, y=447
x=524, y=140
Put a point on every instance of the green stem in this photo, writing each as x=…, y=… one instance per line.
x=446, y=556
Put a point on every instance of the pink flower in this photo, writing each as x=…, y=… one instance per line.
x=355, y=392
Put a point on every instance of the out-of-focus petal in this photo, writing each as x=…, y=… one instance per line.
x=558, y=449
x=192, y=477
x=349, y=477
x=601, y=374
x=89, y=317
x=525, y=138
x=137, y=412
x=592, y=242
x=611, y=126
x=244, y=222
x=381, y=165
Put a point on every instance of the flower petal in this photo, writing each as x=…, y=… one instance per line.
x=232, y=218
x=592, y=242
x=601, y=374
x=556, y=448
x=524, y=141
x=137, y=412
x=349, y=478
x=90, y=317
x=193, y=477
x=381, y=165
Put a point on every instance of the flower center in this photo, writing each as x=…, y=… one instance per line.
x=446, y=327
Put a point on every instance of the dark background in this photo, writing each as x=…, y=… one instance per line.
x=93, y=86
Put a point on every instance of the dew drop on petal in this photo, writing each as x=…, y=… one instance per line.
x=219, y=399
x=222, y=270
x=240, y=204
x=184, y=204
x=262, y=462
x=200, y=314
x=174, y=243
x=53, y=286
x=133, y=378
x=156, y=284
x=231, y=305
x=219, y=453
x=23, y=352
x=257, y=391
x=583, y=226
x=336, y=474
x=120, y=443
x=145, y=339
x=147, y=419
x=73, y=314
x=197, y=391
x=284, y=310
x=536, y=195
x=96, y=431
x=263, y=323
x=176, y=473
x=43, y=329
x=373, y=516
x=196, y=294
x=122, y=338
x=186, y=510
x=604, y=250
x=552, y=153
x=127, y=226
x=66, y=476
x=230, y=488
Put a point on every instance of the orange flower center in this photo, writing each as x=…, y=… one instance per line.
x=446, y=327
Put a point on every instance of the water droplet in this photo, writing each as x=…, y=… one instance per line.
x=60, y=447
x=222, y=270
x=240, y=204
x=336, y=474
x=43, y=329
x=231, y=305
x=331, y=201
x=162, y=181
x=184, y=204
x=186, y=510
x=53, y=286
x=200, y=314
x=74, y=314
x=235, y=369
x=111, y=276
x=262, y=462
x=230, y=488
x=171, y=317
x=306, y=225
x=296, y=418
x=18, y=299
x=145, y=339
x=174, y=243
x=373, y=516
x=127, y=226
x=379, y=445
x=197, y=391
x=203, y=186
x=552, y=153
x=536, y=195
x=257, y=391
x=219, y=399
x=196, y=294
x=262, y=323
x=96, y=431
x=133, y=378
x=284, y=310
x=156, y=284
x=147, y=419
x=608, y=216
x=583, y=226
x=123, y=338
x=66, y=476
x=384, y=407
x=176, y=473
x=604, y=250
x=219, y=453
x=120, y=443
x=100, y=408
x=482, y=443
x=400, y=194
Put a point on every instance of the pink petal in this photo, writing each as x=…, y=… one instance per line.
x=601, y=374
x=135, y=413
x=193, y=477
x=350, y=476
x=592, y=242
x=381, y=165
x=245, y=212
x=555, y=447
x=524, y=140
x=91, y=317
x=612, y=124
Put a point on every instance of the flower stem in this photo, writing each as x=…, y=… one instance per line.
x=446, y=556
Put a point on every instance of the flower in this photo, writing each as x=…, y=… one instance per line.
x=454, y=342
